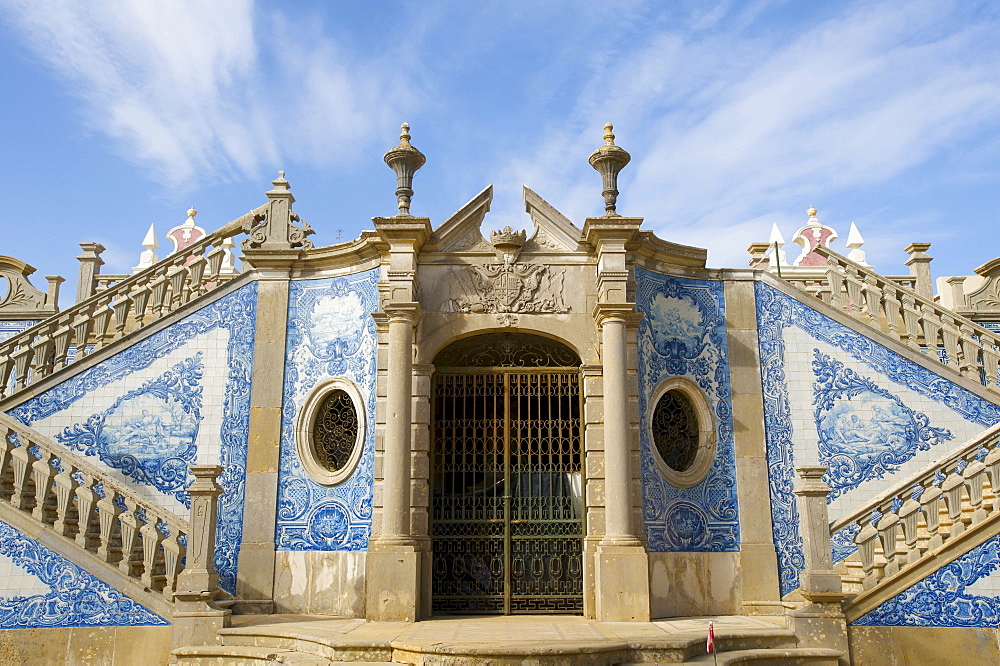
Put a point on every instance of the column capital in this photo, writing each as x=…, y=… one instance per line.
x=396, y=312
x=624, y=312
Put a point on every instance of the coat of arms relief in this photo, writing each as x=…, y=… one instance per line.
x=506, y=288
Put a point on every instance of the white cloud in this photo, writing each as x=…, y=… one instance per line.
x=731, y=129
x=200, y=91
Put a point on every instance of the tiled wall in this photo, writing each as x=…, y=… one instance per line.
x=177, y=397
x=11, y=327
x=684, y=334
x=965, y=593
x=331, y=333
x=835, y=397
x=39, y=588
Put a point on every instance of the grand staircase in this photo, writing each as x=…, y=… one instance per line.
x=931, y=518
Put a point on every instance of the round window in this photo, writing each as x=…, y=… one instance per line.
x=331, y=431
x=682, y=432
x=675, y=430
x=335, y=430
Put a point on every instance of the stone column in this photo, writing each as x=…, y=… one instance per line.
x=399, y=402
x=197, y=618
x=621, y=565
x=394, y=590
x=820, y=622
x=920, y=268
x=761, y=594
x=90, y=267
x=619, y=530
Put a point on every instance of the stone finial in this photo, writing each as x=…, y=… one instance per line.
x=148, y=256
x=275, y=230
x=813, y=220
x=609, y=160
x=776, y=241
x=404, y=159
x=854, y=242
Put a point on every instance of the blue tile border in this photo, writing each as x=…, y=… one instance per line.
x=236, y=312
x=703, y=517
x=941, y=600
x=76, y=598
x=331, y=333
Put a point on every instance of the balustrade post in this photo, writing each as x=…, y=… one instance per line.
x=90, y=267
x=197, y=618
x=820, y=622
x=920, y=268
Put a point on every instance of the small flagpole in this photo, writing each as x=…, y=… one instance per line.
x=777, y=258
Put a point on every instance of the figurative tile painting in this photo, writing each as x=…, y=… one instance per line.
x=684, y=334
x=180, y=396
x=837, y=398
x=331, y=333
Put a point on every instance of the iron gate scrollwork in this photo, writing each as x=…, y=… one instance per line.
x=507, y=510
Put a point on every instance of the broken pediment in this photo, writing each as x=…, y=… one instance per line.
x=553, y=231
x=461, y=232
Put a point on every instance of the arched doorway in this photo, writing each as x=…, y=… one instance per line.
x=506, y=466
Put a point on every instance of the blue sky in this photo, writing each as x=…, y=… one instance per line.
x=737, y=115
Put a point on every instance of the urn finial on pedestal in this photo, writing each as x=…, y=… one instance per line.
x=609, y=159
x=404, y=159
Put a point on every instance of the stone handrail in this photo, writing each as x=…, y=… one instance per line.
x=79, y=502
x=912, y=508
x=956, y=342
x=117, y=311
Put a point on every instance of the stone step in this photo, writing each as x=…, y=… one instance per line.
x=231, y=655
x=776, y=656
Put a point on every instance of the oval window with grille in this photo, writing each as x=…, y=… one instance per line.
x=331, y=431
x=682, y=432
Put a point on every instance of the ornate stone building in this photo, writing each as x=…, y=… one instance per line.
x=574, y=420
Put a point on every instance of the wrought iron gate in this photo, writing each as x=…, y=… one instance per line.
x=507, y=509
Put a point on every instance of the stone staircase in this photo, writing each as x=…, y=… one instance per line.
x=543, y=640
x=922, y=523
x=929, y=519
x=76, y=509
x=53, y=347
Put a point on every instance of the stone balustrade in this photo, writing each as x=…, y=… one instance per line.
x=905, y=521
x=118, y=309
x=79, y=502
x=956, y=342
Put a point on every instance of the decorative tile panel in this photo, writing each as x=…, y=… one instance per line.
x=834, y=396
x=684, y=334
x=181, y=395
x=331, y=333
x=865, y=432
x=42, y=589
x=965, y=593
x=149, y=433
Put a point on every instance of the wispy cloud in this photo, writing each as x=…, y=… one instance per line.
x=195, y=90
x=734, y=126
